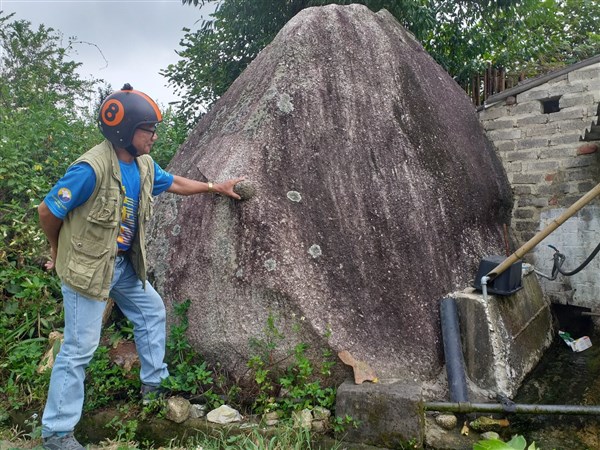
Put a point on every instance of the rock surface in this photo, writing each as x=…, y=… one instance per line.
x=376, y=194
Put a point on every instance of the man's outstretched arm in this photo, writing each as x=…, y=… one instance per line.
x=185, y=186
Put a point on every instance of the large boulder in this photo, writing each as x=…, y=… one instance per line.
x=377, y=193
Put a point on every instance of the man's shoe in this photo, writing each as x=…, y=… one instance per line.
x=151, y=393
x=66, y=442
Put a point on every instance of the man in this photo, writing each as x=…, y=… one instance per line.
x=94, y=218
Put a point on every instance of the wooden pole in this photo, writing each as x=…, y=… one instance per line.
x=531, y=243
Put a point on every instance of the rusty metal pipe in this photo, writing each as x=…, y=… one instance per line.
x=466, y=407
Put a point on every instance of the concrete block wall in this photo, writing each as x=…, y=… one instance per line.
x=549, y=168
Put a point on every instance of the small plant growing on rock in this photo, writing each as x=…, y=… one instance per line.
x=341, y=424
x=290, y=387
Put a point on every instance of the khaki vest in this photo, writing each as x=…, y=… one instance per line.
x=87, y=243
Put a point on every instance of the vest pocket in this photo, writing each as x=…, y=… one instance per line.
x=85, y=269
x=105, y=211
x=148, y=208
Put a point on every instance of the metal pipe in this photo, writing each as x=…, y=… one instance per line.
x=455, y=364
x=484, y=280
x=462, y=407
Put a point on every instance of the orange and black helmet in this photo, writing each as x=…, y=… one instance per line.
x=123, y=111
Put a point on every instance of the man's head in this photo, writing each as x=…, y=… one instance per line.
x=125, y=111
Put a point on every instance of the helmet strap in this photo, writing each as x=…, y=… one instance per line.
x=132, y=150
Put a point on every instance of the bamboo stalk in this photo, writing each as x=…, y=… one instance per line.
x=531, y=243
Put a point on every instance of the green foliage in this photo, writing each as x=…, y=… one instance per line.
x=124, y=426
x=36, y=68
x=285, y=437
x=526, y=37
x=516, y=443
x=34, y=424
x=341, y=424
x=28, y=315
x=172, y=132
x=188, y=373
x=290, y=387
x=107, y=381
x=41, y=130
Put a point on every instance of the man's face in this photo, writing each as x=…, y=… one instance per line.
x=144, y=138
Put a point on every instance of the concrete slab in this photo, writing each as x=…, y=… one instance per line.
x=389, y=412
x=505, y=337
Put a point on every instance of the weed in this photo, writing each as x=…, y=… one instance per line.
x=341, y=424
x=290, y=387
x=516, y=443
x=107, y=381
x=124, y=426
x=189, y=373
x=285, y=437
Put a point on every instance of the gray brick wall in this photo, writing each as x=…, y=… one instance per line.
x=550, y=168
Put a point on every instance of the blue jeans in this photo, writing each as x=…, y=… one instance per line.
x=83, y=323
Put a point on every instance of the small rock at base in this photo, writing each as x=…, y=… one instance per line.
x=224, y=414
x=197, y=411
x=446, y=421
x=178, y=409
x=490, y=435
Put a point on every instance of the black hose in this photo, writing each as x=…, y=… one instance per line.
x=559, y=259
x=455, y=365
x=585, y=263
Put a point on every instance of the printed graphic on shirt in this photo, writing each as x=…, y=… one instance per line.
x=128, y=221
x=72, y=190
x=64, y=195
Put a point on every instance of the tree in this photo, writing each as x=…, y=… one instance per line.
x=42, y=128
x=525, y=36
x=35, y=67
x=578, y=36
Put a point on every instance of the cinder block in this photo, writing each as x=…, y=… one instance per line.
x=575, y=112
x=503, y=135
x=588, y=73
x=575, y=100
x=530, y=107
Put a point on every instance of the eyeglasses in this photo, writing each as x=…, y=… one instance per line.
x=151, y=130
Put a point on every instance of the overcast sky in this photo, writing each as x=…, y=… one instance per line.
x=137, y=38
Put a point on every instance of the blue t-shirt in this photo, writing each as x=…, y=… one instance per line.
x=77, y=185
